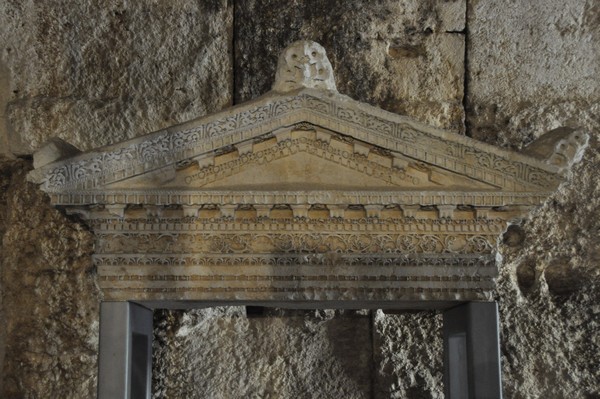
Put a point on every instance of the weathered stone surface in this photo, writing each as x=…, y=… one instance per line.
x=4, y=95
x=303, y=354
x=532, y=67
x=548, y=292
x=562, y=278
x=408, y=355
x=220, y=353
x=49, y=299
x=53, y=150
x=97, y=73
x=405, y=57
x=303, y=64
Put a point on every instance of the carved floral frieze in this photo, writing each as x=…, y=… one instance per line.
x=455, y=153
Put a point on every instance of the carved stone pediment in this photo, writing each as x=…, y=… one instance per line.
x=303, y=194
x=337, y=129
x=308, y=159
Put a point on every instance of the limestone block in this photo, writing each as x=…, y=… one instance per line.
x=53, y=150
x=50, y=300
x=532, y=68
x=406, y=57
x=232, y=355
x=393, y=372
x=97, y=73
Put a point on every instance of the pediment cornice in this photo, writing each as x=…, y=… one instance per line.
x=274, y=111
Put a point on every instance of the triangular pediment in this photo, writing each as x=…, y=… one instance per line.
x=276, y=115
x=311, y=159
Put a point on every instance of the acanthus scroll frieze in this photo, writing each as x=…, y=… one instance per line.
x=277, y=243
x=388, y=131
x=437, y=261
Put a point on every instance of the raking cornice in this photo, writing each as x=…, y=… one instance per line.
x=273, y=111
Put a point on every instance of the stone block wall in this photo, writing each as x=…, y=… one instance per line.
x=94, y=74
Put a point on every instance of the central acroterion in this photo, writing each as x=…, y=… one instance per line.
x=304, y=64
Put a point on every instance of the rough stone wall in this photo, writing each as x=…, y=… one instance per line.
x=49, y=304
x=93, y=75
x=277, y=354
x=533, y=67
x=403, y=56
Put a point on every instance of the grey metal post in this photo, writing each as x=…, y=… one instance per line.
x=472, y=352
x=125, y=360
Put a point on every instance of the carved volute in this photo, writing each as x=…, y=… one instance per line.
x=302, y=195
